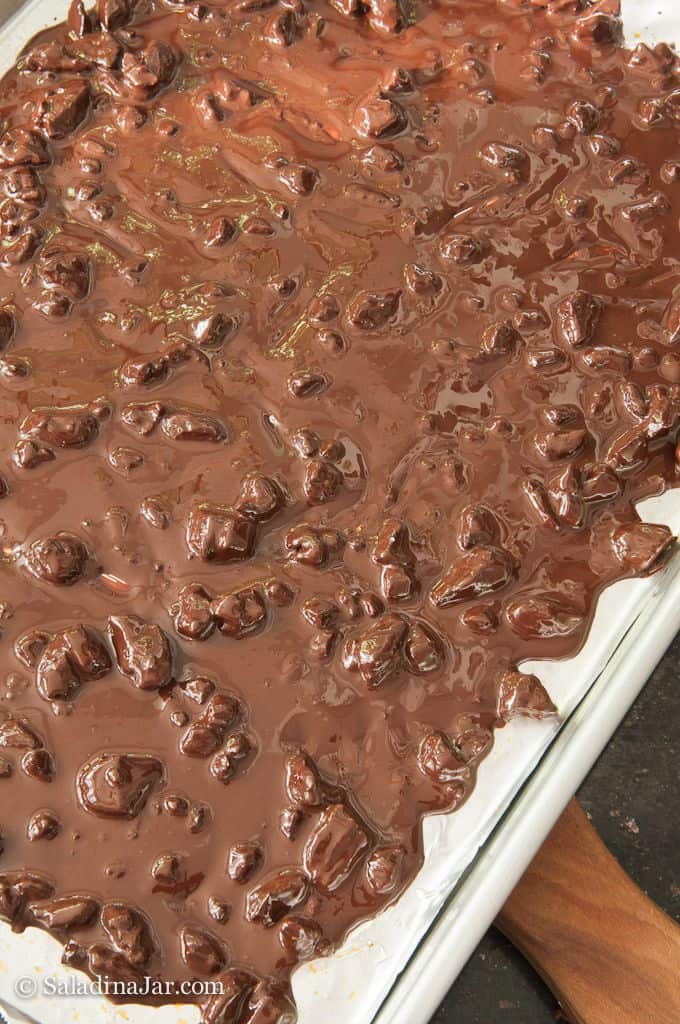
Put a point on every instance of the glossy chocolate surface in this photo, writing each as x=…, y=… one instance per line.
x=338, y=341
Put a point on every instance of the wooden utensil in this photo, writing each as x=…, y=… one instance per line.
x=607, y=952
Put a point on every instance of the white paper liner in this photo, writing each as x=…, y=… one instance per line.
x=351, y=985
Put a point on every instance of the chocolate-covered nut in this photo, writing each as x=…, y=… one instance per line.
x=71, y=426
x=142, y=417
x=60, y=559
x=17, y=889
x=393, y=543
x=198, y=689
x=212, y=331
x=117, y=785
x=382, y=159
x=423, y=649
x=70, y=658
x=192, y=612
x=219, y=909
x=200, y=740
x=98, y=49
x=499, y=339
x=600, y=483
x=176, y=806
x=22, y=247
x=222, y=767
x=199, y=818
x=304, y=785
x=383, y=869
x=439, y=758
x=513, y=161
x=227, y=1006
x=309, y=545
x=38, y=764
x=461, y=249
x=642, y=547
x=554, y=445
x=480, y=571
x=201, y=952
x=68, y=273
x=113, y=14
x=113, y=968
x=193, y=426
x=43, y=825
x=301, y=179
x=270, y=1000
x=301, y=938
x=144, y=370
x=7, y=328
x=129, y=932
x=220, y=231
x=334, y=848
x=305, y=383
x=396, y=583
x=322, y=481
x=221, y=712
x=15, y=368
x=473, y=742
x=240, y=613
x=520, y=693
x=372, y=311
x=142, y=651
x=576, y=318
x=63, y=913
x=219, y=534
x=17, y=734
x=320, y=613
x=584, y=116
x=477, y=525
x=276, y=896
x=542, y=617
x=480, y=618
x=243, y=861
x=168, y=869
x=324, y=308
x=320, y=646
x=261, y=497
x=378, y=116
x=22, y=148
x=377, y=653
x=61, y=107
x=124, y=460
x=148, y=70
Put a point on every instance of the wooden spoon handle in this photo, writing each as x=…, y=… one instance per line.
x=607, y=952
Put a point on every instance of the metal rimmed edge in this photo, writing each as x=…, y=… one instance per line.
x=501, y=862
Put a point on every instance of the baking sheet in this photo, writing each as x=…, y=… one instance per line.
x=358, y=978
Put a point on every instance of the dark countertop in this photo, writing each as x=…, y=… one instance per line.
x=631, y=796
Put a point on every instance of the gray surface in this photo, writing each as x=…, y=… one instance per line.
x=631, y=796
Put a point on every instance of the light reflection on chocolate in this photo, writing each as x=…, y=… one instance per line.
x=338, y=343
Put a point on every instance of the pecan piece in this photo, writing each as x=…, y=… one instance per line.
x=117, y=785
x=216, y=533
x=378, y=652
x=480, y=571
x=275, y=897
x=142, y=650
x=334, y=848
x=520, y=693
x=642, y=547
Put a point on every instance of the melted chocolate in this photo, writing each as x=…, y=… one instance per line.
x=338, y=341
